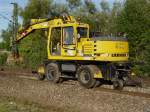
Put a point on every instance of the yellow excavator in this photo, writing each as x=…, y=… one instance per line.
x=73, y=54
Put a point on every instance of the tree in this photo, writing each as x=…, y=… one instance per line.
x=87, y=13
x=59, y=9
x=116, y=6
x=6, y=37
x=106, y=18
x=134, y=21
x=90, y=6
x=36, y=9
x=74, y=4
x=114, y=13
x=105, y=6
x=33, y=47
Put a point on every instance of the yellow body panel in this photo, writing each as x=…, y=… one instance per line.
x=112, y=47
x=41, y=70
x=98, y=75
x=105, y=51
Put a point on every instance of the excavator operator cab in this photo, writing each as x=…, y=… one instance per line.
x=64, y=39
x=64, y=35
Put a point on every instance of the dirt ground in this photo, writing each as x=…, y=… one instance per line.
x=67, y=97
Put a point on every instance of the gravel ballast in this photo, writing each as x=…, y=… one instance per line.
x=70, y=96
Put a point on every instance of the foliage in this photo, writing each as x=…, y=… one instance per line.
x=58, y=9
x=105, y=6
x=90, y=6
x=36, y=9
x=3, y=59
x=6, y=34
x=33, y=48
x=134, y=20
x=74, y=3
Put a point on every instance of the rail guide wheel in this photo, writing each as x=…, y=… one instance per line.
x=86, y=76
x=53, y=73
x=118, y=84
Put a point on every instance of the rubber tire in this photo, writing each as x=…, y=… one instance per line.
x=55, y=77
x=91, y=83
x=118, y=84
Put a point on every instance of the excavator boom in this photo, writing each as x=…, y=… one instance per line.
x=42, y=24
x=26, y=31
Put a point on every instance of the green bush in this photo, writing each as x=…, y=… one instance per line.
x=3, y=58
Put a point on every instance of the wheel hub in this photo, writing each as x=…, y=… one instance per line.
x=85, y=77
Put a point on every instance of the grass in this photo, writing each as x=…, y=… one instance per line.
x=12, y=105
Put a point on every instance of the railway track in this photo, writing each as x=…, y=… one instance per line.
x=124, y=92
x=132, y=91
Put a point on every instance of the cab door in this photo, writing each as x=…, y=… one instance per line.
x=68, y=41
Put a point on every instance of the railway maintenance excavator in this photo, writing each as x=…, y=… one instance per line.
x=73, y=54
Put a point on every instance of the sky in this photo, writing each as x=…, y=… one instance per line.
x=6, y=10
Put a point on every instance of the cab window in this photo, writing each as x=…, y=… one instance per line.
x=82, y=32
x=56, y=41
x=68, y=35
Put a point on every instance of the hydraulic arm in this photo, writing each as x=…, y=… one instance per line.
x=35, y=24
